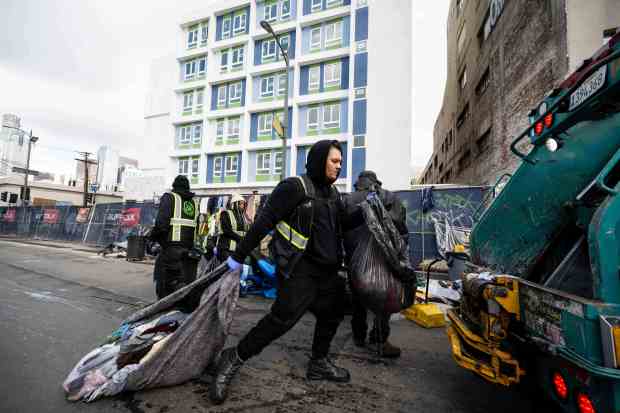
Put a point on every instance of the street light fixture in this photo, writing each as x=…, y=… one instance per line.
x=265, y=25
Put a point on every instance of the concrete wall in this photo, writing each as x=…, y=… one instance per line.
x=66, y=196
x=390, y=71
x=586, y=21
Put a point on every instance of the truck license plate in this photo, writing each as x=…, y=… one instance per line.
x=588, y=88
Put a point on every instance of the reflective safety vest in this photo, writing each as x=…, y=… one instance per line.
x=184, y=216
x=239, y=229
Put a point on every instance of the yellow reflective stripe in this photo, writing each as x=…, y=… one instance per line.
x=177, y=205
x=184, y=222
x=233, y=245
x=291, y=235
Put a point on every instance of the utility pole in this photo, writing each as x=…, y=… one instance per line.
x=86, y=163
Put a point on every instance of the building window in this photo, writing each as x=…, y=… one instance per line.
x=219, y=132
x=190, y=70
x=202, y=66
x=483, y=83
x=224, y=61
x=463, y=116
x=217, y=167
x=333, y=33
x=332, y=74
x=234, y=127
x=315, y=38
x=266, y=86
x=482, y=143
x=331, y=116
x=268, y=49
x=236, y=90
x=183, y=135
x=284, y=42
x=199, y=99
x=197, y=135
x=463, y=79
x=460, y=43
x=226, y=23
x=271, y=12
x=237, y=56
x=239, y=23
x=285, y=9
x=313, y=118
x=314, y=78
x=188, y=101
x=195, y=169
x=265, y=121
x=263, y=163
x=277, y=169
x=359, y=141
x=232, y=165
x=204, y=32
x=192, y=37
x=221, y=95
x=282, y=77
x=183, y=166
x=316, y=5
x=333, y=3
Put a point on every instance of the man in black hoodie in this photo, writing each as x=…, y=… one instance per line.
x=367, y=183
x=175, y=230
x=307, y=216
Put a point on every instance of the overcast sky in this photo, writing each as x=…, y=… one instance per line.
x=76, y=72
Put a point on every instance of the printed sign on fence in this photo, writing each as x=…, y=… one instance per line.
x=50, y=216
x=9, y=215
x=130, y=217
x=82, y=215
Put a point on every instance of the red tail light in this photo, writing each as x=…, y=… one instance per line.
x=548, y=120
x=561, y=389
x=538, y=128
x=585, y=404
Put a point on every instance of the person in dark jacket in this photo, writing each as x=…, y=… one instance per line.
x=307, y=216
x=233, y=227
x=175, y=230
x=367, y=182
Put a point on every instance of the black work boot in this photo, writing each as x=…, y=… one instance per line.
x=324, y=369
x=387, y=350
x=227, y=368
x=359, y=341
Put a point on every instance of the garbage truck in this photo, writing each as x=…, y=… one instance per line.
x=541, y=296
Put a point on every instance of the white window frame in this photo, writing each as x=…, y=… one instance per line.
x=227, y=33
x=337, y=33
x=314, y=72
x=236, y=90
x=189, y=71
x=313, y=125
x=313, y=31
x=232, y=165
x=282, y=83
x=220, y=136
x=329, y=121
x=204, y=33
x=197, y=128
x=272, y=16
x=333, y=3
x=240, y=53
x=268, y=43
x=277, y=156
x=288, y=44
x=267, y=81
x=285, y=15
x=218, y=172
x=198, y=63
x=200, y=98
x=221, y=97
x=316, y=5
x=267, y=122
x=183, y=166
x=195, y=172
x=228, y=59
x=333, y=74
x=263, y=163
x=234, y=127
x=192, y=37
x=242, y=23
x=188, y=101
x=184, y=134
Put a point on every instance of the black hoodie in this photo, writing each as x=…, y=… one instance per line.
x=325, y=241
x=164, y=213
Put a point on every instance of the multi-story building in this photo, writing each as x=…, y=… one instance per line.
x=349, y=79
x=13, y=145
x=107, y=170
x=503, y=58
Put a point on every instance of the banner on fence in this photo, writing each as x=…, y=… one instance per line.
x=82, y=215
x=130, y=217
x=50, y=216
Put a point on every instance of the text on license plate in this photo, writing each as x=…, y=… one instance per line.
x=588, y=88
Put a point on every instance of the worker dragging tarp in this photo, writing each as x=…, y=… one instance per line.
x=167, y=343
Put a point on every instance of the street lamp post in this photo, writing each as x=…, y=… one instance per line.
x=265, y=25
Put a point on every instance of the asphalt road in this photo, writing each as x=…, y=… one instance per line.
x=57, y=304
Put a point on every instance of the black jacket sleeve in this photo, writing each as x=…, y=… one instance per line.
x=162, y=222
x=227, y=228
x=280, y=204
x=351, y=215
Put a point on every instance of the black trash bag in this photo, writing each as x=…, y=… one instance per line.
x=381, y=272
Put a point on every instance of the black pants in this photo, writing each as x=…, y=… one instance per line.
x=173, y=270
x=380, y=329
x=312, y=289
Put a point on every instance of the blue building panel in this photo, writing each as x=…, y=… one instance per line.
x=214, y=97
x=359, y=161
x=210, y=169
x=301, y=160
x=218, y=28
x=303, y=80
x=344, y=81
x=361, y=70
x=344, y=115
x=359, y=117
x=343, y=171
x=258, y=49
x=240, y=154
x=253, y=127
x=361, y=24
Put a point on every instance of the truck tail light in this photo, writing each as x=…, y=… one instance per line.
x=548, y=120
x=560, y=387
x=584, y=404
x=538, y=128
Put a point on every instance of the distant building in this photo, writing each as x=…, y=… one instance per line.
x=503, y=58
x=13, y=145
x=149, y=184
x=79, y=174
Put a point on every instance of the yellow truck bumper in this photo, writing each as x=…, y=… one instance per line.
x=472, y=352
